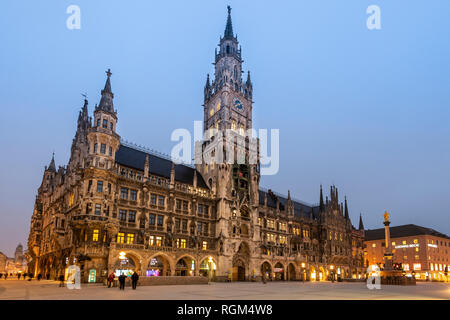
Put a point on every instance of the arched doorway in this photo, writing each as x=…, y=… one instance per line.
x=158, y=266
x=240, y=263
x=125, y=265
x=312, y=274
x=185, y=267
x=322, y=274
x=292, y=276
x=266, y=270
x=208, y=268
x=278, y=270
x=238, y=273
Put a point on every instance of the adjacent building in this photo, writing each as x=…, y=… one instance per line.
x=116, y=207
x=13, y=265
x=424, y=251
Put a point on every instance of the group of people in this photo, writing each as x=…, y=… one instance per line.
x=121, y=278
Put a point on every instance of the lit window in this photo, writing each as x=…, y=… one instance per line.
x=406, y=267
x=233, y=124
x=374, y=245
x=211, y=112
x=95, y=235
x=204, y=245
x=183, y=243
x=130, y=238
x=416, y=241
x=158, y=241
x=416, y=257
x=120, y=237
x=218, y=106
x=241, y=129
x=152, y=240
x=404, y=242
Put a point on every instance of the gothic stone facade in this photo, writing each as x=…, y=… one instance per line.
x=116, y=206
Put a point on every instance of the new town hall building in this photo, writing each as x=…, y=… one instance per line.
x=116, y=207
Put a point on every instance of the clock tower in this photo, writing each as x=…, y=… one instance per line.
x=233, y=176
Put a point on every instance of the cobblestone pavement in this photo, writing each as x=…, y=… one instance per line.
x=19, y=289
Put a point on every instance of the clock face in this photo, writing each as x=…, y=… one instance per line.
x=238, y=104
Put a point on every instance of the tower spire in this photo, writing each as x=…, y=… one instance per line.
x=322, y=205
x=106, y=102
x=229, y=27
x=361, y=225
x=346, y=209
x=52, y=166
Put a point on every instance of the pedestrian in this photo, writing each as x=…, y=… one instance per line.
x=111, y=280
x=1, y=275
x=122, y=282
x=39, y=277
x=61, y=280
x=48, y=276
x=134, y=280
x=6, y=275
x=18, y=276
x=264, y=278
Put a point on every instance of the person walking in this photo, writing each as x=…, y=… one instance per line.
x=6, y=275
x=122, y=282
x=134, y=280
x=111, y=280
x=39, y=277
x=1, y=275
x=61, y=280
x=263, y=278
x=18, y=276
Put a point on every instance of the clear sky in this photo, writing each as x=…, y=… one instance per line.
x=365, y=110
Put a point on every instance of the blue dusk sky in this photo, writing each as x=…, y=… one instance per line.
x=366, y=110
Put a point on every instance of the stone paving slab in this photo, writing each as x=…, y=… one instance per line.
x=49, y=290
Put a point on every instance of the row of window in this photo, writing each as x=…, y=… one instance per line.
x=272, y=238
x=336, y=236
x=105, y=124
x=102, y=149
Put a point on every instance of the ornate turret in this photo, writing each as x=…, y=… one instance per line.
x=102, y=137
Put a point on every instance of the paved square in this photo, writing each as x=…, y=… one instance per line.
x=18, y=289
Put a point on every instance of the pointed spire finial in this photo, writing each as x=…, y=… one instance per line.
x=108, y=73
x=229, y=28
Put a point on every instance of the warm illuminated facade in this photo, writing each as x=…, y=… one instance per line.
x=119, y=207
x=422, y=250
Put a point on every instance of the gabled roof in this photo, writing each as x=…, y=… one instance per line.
x=299, y=207
x=402, y=231
x=133, y=158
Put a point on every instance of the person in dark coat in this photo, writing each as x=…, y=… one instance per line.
x=61, y=280
x=1, y=275
x=122, y=282
x=39, y=277
x=6, y=275
x=134, y=280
